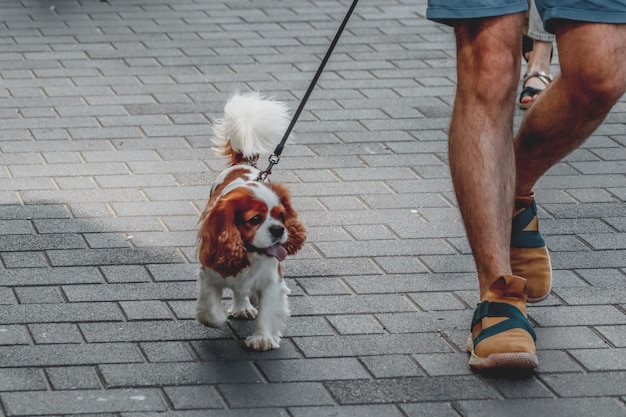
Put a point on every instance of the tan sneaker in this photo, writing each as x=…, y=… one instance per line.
x=529, y=255
x=502, y=337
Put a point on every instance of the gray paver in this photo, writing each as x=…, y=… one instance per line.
x=88, y=401
x=105, y=110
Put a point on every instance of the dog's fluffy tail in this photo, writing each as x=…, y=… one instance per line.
x=251, y=125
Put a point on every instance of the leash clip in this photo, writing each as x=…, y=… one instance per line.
x=273, y=160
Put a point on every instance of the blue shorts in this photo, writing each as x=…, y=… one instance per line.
x=599, y=11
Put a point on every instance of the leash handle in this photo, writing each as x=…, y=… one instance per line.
x=275, y=157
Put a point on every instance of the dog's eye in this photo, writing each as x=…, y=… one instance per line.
x=256, y=220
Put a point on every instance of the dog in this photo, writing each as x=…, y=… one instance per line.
x=248, y=227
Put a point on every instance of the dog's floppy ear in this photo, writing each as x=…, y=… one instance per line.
x=221, y=247
x=295, y=228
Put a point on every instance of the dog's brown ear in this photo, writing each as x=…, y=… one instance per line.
x=221, y=247
x=295, y=228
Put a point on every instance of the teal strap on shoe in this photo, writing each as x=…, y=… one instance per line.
x=516, y=319
x=521, y=238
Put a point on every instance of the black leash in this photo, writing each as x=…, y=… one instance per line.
x=275, y=157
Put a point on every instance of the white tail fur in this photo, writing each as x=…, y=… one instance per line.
x=251, y=125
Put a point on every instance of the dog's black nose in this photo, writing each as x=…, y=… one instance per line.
x=277, y=230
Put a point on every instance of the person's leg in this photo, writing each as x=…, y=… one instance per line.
x=573, y=107
x=539, y=59
x=482, y=165
x=578, y=100
x=481, y=139
x=537, y=75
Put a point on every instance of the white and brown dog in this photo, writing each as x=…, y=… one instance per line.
x=248, y=227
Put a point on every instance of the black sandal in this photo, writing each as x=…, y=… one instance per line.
x=531, y=91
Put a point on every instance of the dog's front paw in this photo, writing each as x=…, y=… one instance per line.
x=216, y=317
x=243, y=313
x=260, y=342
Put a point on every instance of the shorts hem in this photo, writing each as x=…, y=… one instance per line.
x=449, y=16
x=541, y=36
x=583, y=16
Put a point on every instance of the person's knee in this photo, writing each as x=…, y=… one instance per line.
x=488, y=59
x=592, y=62
x=489, y=77
x=596, y=88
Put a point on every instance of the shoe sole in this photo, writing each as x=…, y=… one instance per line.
x=515, y=360
x=500, y=361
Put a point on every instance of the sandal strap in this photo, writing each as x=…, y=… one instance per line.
x=516, y=319
x=529, y=92
x=544, y=77
x=521, y=238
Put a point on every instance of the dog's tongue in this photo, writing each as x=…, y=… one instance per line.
x=277, y=251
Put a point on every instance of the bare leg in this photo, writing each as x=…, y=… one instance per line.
x=539, y=60
x=481, y=138
x=578, y=100
x=538, y=64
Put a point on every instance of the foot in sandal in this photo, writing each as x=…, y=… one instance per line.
x=534, y=83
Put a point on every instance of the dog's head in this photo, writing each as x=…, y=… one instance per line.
x=250, y=217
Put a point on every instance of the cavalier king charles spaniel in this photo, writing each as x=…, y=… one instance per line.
x=248, y=226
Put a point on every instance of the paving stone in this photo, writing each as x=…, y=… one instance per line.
x=400, y=390
x=288, y=370
x=578, y=315
x=183, y=373
x=35, y=403
x=135, y=331
x=73, y=378
x=363, y=345
x=235, y=350
x=51, y=313
x=193, y=397
x=166, y=351
x=586, y=384
x=13, y=335
x=429, y=410
x=79, y=257
x=331, y=304
x=345, y=411
x=39, y=295
x=444, y=364
x=276, y=395
x=125, y=273
x=390, y=366
x=601, y=359
x=615, y=334
x=130, y=291
x=21, y=379
x=67, y=355
x=355, y=324
x=145, y=310
x=98, y=225
x=50, y=276
x=261, y=412
x=55, y=333
x=542, y=407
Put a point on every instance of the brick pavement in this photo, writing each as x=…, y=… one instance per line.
x=104, y=110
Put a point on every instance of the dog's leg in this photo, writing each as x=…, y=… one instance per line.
x=209, y=308
x=242, y=308
x=273, y=311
